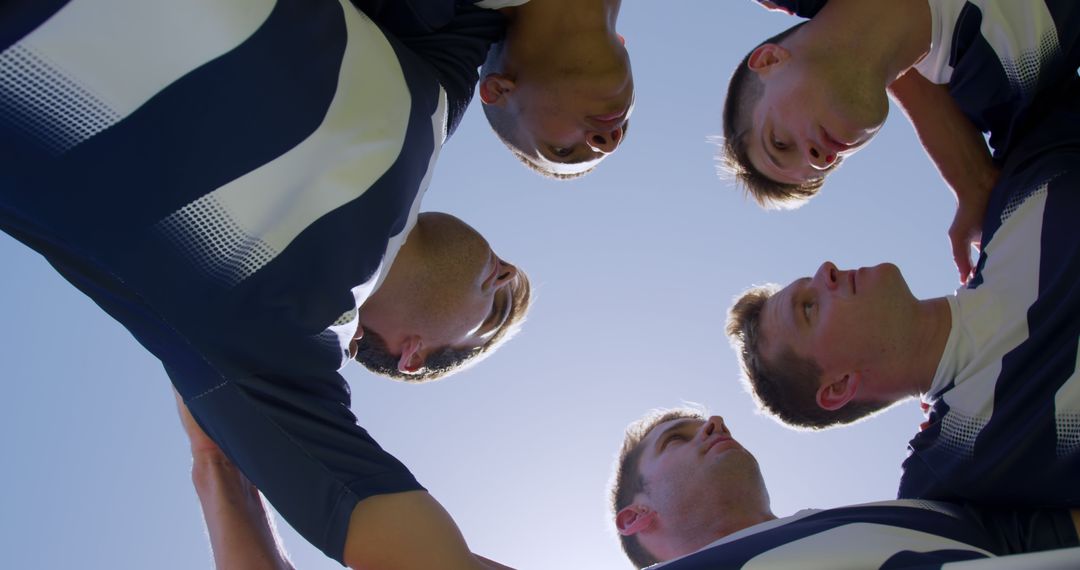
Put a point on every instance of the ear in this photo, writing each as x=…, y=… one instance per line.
x=634, y=519
x=411, y=360
x=838, y=393
x=494, y=89
x=766, y=57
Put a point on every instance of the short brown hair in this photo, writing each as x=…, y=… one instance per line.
x=744, y=89
x=787, y=388
x=373, y=354
x=627, y=480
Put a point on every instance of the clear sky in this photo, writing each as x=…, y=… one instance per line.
x=633, y=269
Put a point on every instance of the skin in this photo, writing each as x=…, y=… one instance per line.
x=873, y=340
x=241, y=533
x=571, y=97
x=796, y=143
x=446, y=288
x=693, y=469
x=382, y=530
x=818, y=108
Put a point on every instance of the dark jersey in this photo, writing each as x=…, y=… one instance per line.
x=230, y=180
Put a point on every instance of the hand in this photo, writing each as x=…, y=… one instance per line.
x=201, y=444
x=966, y=231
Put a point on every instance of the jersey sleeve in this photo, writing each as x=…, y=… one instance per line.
x=1005, y=430
x=456, y=51
x=240, y=193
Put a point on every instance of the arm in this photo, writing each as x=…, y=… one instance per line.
x=405, y=531
x=241, y=533
x=959, y=152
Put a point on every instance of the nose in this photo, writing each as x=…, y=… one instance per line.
x=818, y=157
x=827, y=275
x=604, y=141
x=504, y=274
x=715, y=424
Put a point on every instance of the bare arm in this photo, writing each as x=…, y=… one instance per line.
x=241, y=533
x=386, y=532
x=406, y=531
x=958, y=150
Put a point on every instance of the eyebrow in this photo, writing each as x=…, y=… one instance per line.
x=658, y=447
x=574, y=158
x=768, y=150
x=504, y=313
x=794, y=304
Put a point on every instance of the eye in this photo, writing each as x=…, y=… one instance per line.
x=808, y=306
x=778, y=145
x=562, y=152
x=671, y=438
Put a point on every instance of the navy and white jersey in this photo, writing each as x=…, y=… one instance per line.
x=889, y=535
x=231, y=180
x=1004, y=61
x=1004, y=421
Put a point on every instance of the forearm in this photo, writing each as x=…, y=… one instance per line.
x=952, y=142
x=241, y=533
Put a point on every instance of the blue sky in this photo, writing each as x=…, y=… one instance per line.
x=633, y=269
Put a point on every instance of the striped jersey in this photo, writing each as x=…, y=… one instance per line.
x=888, y=535
x=1003, y=60
x=1004, y=419
x=230, y=180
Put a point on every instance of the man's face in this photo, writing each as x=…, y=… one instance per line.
x=698, y=477
x=459, y=296
x=575, y=115
x=471, y=302
x=845, y=321
x=807, y=118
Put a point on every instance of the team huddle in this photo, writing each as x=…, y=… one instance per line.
x=296, y=243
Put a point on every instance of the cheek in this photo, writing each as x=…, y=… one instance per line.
x=838, y=333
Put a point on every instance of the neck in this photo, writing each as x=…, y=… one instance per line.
x=917, y=361
x=930, y=343
x=401, y=275
x=733, y=525
x=890, y=37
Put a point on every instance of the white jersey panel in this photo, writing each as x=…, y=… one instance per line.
x=1021, y=33
x=994, y=318
x=257, y=215
x=854, y=546
x=124, y=51
x=1067, y=418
